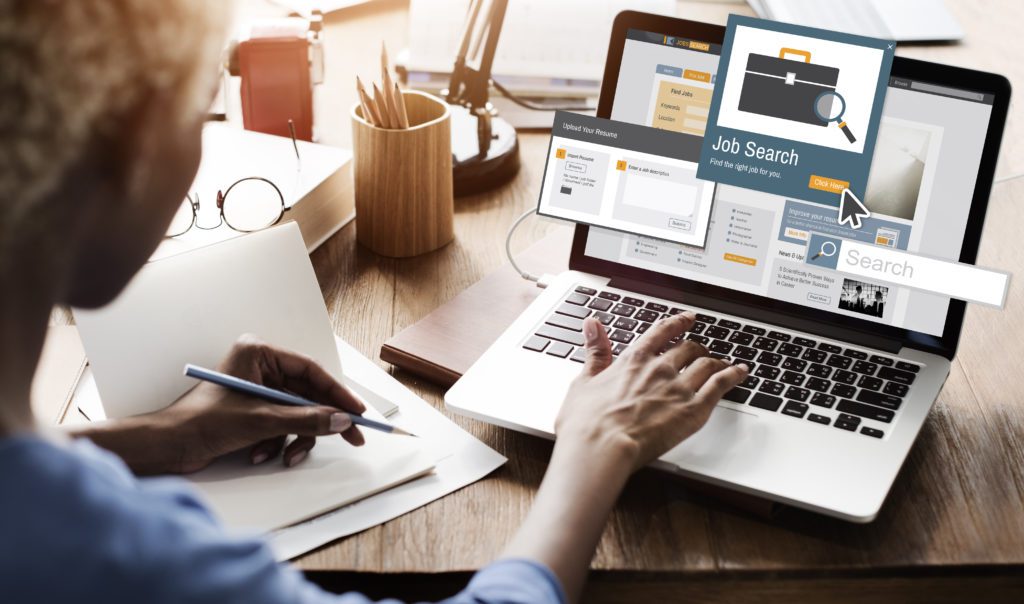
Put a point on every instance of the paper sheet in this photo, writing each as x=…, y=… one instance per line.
x=469, y=461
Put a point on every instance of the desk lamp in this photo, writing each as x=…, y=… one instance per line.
x=485, y=149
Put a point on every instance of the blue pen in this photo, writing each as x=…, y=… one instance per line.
x=276, y=396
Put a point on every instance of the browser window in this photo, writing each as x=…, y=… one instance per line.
x=919, y=192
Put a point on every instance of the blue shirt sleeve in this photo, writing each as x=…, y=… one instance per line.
x=78, y=526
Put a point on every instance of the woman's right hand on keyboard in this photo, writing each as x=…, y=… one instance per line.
x=645, y=402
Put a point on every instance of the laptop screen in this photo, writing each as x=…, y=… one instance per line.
x=919, y=192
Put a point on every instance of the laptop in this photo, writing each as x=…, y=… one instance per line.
x=843, y=372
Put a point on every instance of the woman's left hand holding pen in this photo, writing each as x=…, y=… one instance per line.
x=210, y=421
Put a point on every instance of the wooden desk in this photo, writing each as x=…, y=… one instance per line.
x=952, y=529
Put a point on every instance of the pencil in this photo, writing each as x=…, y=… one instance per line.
x=371, y=114
x=390, y=121
x=278, y=397
x=403, y=116
x=387, y=87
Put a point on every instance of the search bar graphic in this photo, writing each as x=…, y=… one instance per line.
x=953, y=279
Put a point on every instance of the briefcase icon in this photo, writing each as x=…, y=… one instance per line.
x=784, y=88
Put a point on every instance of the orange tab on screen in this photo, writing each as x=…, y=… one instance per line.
x=824, y=183
x=741, y=259
x=700, y=76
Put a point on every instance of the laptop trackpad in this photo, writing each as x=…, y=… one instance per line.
x=729, y=437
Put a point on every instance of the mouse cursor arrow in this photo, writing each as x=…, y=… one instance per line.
x=851, y=209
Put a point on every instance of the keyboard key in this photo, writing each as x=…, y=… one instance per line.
x=676, y=311
x=793, y=378
x=765, y=401
x=778, y=335
x=622, y=336
x=893, y=388
x=647, y=315
x=795, y=409
x=797, y=394
x=586, y=291
x=737, y=395
x=624, y=323
x=794, y=364
x=572, y=310
x=618, y=349
x=751, y=365
x=754, y=329
x=855, y=354
x=559, y=349
x=846, y=425
x=562, y=335
x=632, y=301
x=609, y=296
x=804, y=342
x=868, y=411
x=705, y=318
x=720, y=347
x=750, y=382
x=896, y=375
x=716, y=332
x=877, y=398
x=865, y=367
x=818, y=384
x=819, y=419
x=536, y=344
x=623, y=310
x=600, y=304
x=791, y=350
x=659, y=308
x=843, y=390
x=743, y=339
x=885, y=361
x=829, y=348
x=768, y=372
x=580, y=356
x=871, y=383
x=823, y=400
x=577, y=299
x=744, y=352
x=872, y=432
x=729, y=324
x=839, y=361
x=769, y=358
x=643, y=328
x=698, y=339
x=814, y=356
x=604, y=317
x=845, y=377
x=698, y=327
x=765, y=344
x=771, y=387
x=565, y=322
x=820, y=371
x=904, y=366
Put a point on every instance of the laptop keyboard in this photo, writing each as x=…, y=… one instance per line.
x=797, y=376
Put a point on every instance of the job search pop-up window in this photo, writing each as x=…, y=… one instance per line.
x=626, y=177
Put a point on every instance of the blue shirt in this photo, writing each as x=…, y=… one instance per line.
x=77, y=526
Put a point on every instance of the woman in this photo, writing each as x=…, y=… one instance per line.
x=101, y=107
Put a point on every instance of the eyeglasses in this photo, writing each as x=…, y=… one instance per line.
x=248, y=205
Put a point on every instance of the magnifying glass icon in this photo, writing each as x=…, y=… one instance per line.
x=828, y=249
x=830, y=107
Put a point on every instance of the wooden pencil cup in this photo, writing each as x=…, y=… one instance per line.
x=403, y=180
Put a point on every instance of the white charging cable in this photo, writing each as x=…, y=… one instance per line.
x=541, y=280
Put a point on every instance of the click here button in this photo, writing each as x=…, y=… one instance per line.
x=830, y=185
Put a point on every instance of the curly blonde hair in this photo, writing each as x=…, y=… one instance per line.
x=69, y=69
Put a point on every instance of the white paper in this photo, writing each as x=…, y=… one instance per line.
x=469, y=461
x=191, y=308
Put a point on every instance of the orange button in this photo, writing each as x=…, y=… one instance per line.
x=620, y=165
x=741, y=259
x=695, y=45
x=700, y=76
x=560, y=153
x=831, y=185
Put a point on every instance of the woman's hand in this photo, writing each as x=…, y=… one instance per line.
x=647, y=401
x=210, y=421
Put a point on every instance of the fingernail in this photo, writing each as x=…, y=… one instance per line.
x=296, y=459
x=589, y=331
x=340, y=422
x=744, y=368
x=260, y=458
x=688, y=315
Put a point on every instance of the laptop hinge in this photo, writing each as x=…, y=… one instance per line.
x=844, y=334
